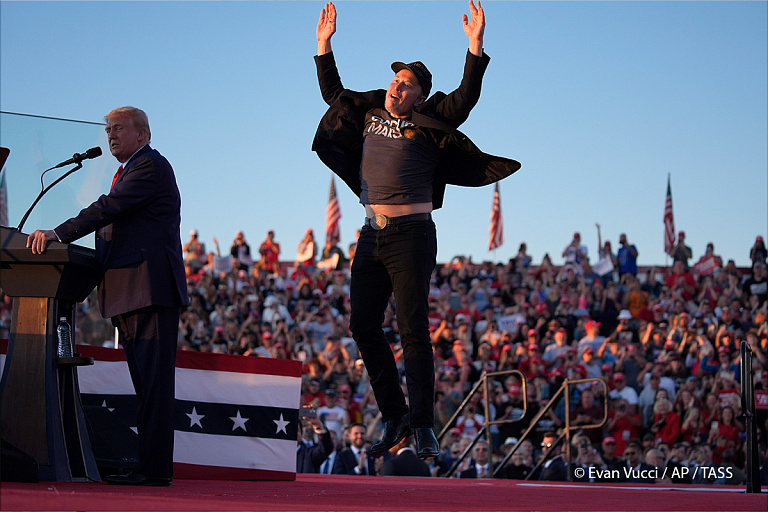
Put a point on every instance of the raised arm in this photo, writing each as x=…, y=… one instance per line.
x=454, y=108
x=326, y=27
x=474, y=27
x=327, y=75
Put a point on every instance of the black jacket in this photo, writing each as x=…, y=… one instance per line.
x=310, y=457
x=471, y=472
x=339, y=137
x=405, y=463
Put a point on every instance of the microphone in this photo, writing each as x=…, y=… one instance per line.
x=77, y=157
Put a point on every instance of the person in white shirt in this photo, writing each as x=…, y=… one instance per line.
x=623, y=391
x=333, y=415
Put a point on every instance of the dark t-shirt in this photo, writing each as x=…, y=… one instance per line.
x=399, y=161
x=756, y=287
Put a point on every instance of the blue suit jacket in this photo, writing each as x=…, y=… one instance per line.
x=346, y=462
x=138, y=244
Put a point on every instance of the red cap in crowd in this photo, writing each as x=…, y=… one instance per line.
x=557, y=372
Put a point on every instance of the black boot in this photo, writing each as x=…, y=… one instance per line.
x=426, y=443
x=394, y=432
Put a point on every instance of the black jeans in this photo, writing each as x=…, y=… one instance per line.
x=397, y=259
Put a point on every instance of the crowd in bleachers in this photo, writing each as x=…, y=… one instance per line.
x=663, y=340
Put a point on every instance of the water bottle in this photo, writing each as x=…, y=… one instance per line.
x=64, y=333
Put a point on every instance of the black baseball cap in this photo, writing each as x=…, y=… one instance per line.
x=420, y=71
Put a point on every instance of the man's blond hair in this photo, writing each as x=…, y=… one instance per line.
x=136, y=115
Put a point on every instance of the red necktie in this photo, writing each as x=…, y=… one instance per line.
x=116, y=176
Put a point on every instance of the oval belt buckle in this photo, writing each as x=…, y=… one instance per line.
x=380, y=221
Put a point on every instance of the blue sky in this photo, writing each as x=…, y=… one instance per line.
x=599, y=101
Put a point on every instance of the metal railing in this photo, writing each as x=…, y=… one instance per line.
x=563, y=392
x=482, y=383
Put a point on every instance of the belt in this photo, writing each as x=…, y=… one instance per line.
x=381, y=221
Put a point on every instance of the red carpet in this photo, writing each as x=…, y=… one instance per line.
x=346, y=493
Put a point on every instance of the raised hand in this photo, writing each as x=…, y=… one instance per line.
x=326, y=27
x=474, y=27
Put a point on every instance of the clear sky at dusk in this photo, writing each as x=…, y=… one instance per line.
x=599, y=101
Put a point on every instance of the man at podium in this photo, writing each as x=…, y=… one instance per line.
x=143, y=285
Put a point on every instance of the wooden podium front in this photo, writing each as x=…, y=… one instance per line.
x=40, y=410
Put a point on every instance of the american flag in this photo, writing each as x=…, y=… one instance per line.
x=496, y=231
x=669, y=220
x=237, y=418
x=332, y=216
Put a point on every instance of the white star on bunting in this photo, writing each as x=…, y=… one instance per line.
x=238, y=421
x=104, y=405
x=281, y=424
x=194, y=418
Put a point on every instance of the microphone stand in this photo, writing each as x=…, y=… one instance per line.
x=43, y=191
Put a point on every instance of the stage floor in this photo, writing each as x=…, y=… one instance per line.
x=347, y=493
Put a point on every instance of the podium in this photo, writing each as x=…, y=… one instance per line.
x=40, y=410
